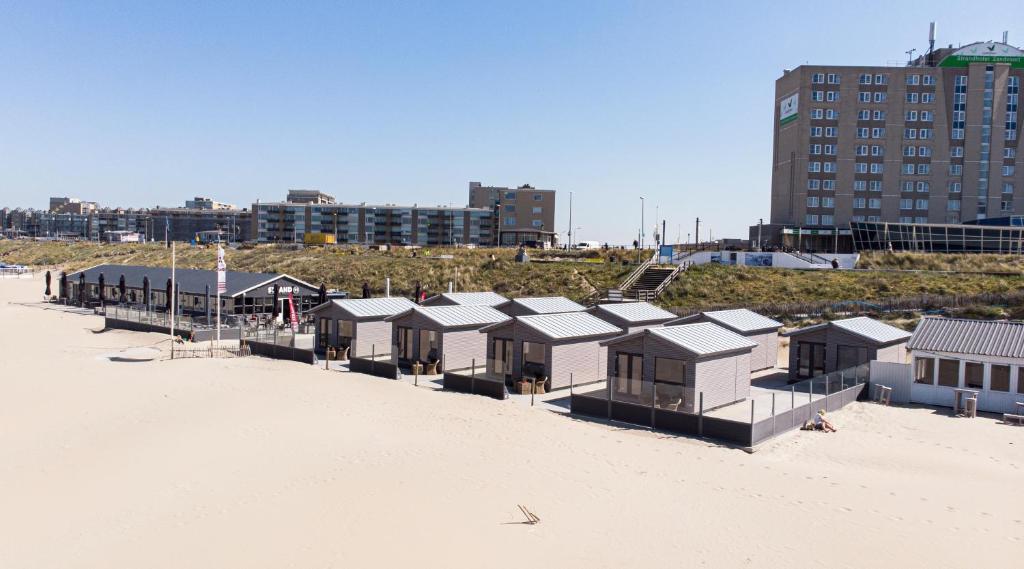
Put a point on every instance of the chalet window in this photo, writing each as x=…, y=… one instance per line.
x=974, y=373
x=669, y=370
x=428, y=346
x=345, y=328
x=404, y=342
x=924, y=370
x=533, y=360
x=629, y=373
x=1000, y=378
x=810, y=359
x=850, y=356
x=949, y=373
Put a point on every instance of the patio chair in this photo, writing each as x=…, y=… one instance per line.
x=416, y=368
x=433, y=368
x=342, y=353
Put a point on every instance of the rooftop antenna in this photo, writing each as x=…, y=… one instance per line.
x=1006, y=36
x=931, y=43
x=910, y=56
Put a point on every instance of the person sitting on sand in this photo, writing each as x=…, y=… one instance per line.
x=823, y=424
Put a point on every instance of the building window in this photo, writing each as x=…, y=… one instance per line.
x=913, y=79
x=814, y=166
x=863, y=115
x=911, y=97
x=927, y=98
x=974, y=374
x=669, y=370
x=927, y=116
x=538, y=197
x=878, y=115
x=811, y=219
x=1009, y=152
x=881, y=79
x=828, y=185
x=910, y=151
x=910, y=133
x=875, y=186
x=864, y=79
x=829, y=167
x=812, y=201
x=817, y=113
x=908, y=168
x=956, y=151
x=817, y=96
x=826, y=219
x=924, y=370
x=906, y=203
x=538, y=210
x=859, y=185
x=877, y=150
x=924, y=151
x=956, y=170
x=874, y=203
x=876, y=167
x=862, y=150
x=816, y=131
x=1008, y=170
x=999, y=377
x=927, y=79
x=537, y=223
x=949, y=373
x=922, y=204
x=832, y=114
x=1007, y=188
x=862, y=132
x=510, y=195
x=828, y=202
x=880, y=96
x=864, y=97
x=832, y=96
x=813, y=184
x=860, y=167
x=878, y=132
x=923, y=186
x=833, y=79
x=818, y=78
x=908, y=186
x=923, y=168
x=953, y=205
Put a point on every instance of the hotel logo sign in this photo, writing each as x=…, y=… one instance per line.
x=788, y=109
x=985, y=52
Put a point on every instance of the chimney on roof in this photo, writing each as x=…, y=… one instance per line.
x=1006, y=36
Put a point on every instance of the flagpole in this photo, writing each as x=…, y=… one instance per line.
x=173, y=304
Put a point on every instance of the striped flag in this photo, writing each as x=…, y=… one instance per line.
x=292, y=316
x=222, y=279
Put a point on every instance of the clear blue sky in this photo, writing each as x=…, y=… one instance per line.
x=136, y=104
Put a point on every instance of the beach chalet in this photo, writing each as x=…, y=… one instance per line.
x=757, y=328
x=551, y=347
x=986, y=357
x=842, y=344
x=539, y=305
x=465, y=299
x=683, y=361
x=247, y=293
x=358, y=324
x=632, y=316
x=448, y=335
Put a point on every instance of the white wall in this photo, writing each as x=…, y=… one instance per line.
x=779, y=260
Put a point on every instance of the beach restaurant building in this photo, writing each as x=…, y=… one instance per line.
x=358, y=324
x=757, y=328
x=632, y=316
x=446, y=335
x=681, y=361
x=465, y=299
x=149, y=287
x=558, y=348
x=529, y=306
x=843, y=344
x=976, y=355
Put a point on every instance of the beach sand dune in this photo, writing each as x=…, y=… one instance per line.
x=258, y=463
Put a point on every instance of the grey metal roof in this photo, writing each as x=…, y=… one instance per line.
x=458, y=316
x=472, y=298
x=548, y=304
x=703, y=338
x=567, y=325
x=190, y=281
x=969, y=337
x=743, y=320
x=871, y=329
x=635, y=312
x=373, y=307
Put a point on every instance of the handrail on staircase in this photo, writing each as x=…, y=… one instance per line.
x=636, y=274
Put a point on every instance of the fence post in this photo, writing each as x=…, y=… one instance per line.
x=792, y=406
x=654, y=392
x=751, y=413
x=373, y=357
x=416, y=375
x=826, y=392
x=472, y=376
x=570, y=384
x=773, y=414
x=609, y=384
x=700, y=416
x=533, y=392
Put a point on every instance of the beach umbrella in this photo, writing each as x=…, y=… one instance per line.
x=47, y=293
x=276, y=311
x=323, y=294
x=145, y=290
x=121, y=288
x=102, y=282
x=81, y=288
x=170, y=294
x=62, y=290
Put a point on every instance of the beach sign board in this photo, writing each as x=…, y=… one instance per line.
x=788, y=108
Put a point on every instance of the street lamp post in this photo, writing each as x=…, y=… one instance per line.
x=641, y=222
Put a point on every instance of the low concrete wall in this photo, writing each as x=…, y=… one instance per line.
x=281, y=352
x=475, y=385
x=379, y=368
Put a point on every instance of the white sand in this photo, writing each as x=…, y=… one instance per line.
x=258, y=463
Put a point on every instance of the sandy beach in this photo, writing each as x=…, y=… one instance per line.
x=260, y=463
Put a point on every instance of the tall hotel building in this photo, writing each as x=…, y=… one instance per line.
x=934, y=142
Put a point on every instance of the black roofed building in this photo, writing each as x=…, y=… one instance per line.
x=247, y=293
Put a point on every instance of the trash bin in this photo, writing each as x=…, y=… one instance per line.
x=971, y=407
